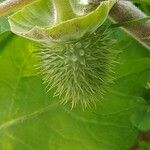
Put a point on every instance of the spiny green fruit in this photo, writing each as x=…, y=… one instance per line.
x=76, y=57
x=78, y=69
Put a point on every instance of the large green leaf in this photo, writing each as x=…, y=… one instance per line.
x=4, y=25
x=142, y=120
x=31, y=119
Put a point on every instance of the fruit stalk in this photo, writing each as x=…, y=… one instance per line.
x=130, y=12
x=124, y=11
x=64, y=10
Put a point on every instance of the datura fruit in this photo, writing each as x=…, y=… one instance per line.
x=75, y=51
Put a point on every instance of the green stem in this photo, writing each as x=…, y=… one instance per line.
x=64, y=10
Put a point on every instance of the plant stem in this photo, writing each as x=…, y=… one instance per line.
x=9, y=6
x=125, y=11
x=64, y=10
x=130, y=22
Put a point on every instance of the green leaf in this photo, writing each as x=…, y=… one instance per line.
x=141, y=120
x=70, y=29
x=144, y=146
x=39, y=13
x=142, y=1
x=4, y=25
x=32, y=119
